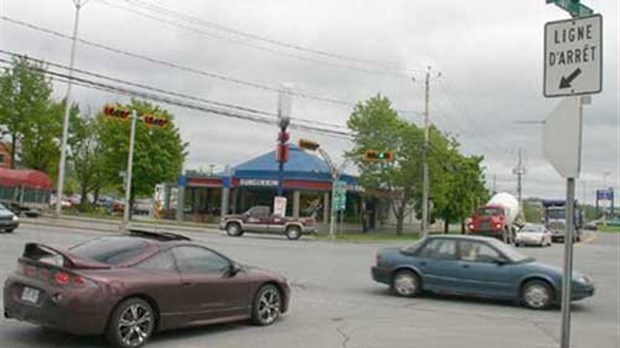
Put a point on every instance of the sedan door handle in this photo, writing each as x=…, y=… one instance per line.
x=465, y=266
x=188, y=284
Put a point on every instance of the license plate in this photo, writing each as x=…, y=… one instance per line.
x=30, y=295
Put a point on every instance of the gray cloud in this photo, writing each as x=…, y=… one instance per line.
x=489, y=53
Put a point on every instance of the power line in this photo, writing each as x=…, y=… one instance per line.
x=83, y=82
x=181, y=67
x=160, y=10
x=159, y=90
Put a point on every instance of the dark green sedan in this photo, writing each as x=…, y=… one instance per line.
x=474, y=266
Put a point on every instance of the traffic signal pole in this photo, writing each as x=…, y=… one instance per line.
x=132, y=139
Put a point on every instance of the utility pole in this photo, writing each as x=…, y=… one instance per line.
x=65, y=126
x=426, y=180
x=494, y=183
x=519, y=171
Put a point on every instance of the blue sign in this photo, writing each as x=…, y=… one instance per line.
x=605, y=195
x=227, y=182
x=182, y=181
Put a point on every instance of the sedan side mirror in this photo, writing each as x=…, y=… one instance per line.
x=500, y=261
x=233, y=269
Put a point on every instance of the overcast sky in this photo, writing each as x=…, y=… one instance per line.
x=489, y=54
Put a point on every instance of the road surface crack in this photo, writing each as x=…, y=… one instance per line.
x=345, y=337
x=544, y=330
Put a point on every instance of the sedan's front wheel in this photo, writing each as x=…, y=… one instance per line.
x=537, y=294
x=131, y=324
x=406, y=283
x=267, y=305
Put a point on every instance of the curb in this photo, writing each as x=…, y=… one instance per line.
x=113, y=227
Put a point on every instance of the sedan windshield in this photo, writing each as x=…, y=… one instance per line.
x=534, y=229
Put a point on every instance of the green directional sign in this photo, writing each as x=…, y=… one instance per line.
x=575, y=8
x=340, y=196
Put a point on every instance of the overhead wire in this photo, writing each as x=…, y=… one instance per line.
x=182, y=67
x=84, y=82
x=185, y=18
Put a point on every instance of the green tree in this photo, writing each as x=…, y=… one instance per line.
x=378, y=127
x=26, y=114
x=464, y=185
x=159, y=152
x=87, y=156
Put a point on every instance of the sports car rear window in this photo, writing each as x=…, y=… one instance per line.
x=111, y=250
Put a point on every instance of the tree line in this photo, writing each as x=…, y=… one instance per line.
x=457, y=184
x=31, y=122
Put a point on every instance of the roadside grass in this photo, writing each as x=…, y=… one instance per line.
x=371, y=237
x=608, y=228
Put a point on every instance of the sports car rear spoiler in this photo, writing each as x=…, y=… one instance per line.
x=40, y=252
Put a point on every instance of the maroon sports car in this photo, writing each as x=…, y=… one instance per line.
x=128, y=286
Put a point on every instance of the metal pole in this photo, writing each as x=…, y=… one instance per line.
x=332, y=215
x=425, y=187
x=281, y=149
x=568, y=244
x=132, y=138
x=568, y=262
x=65, y=125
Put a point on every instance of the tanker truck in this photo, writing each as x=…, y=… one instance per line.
x=496, y=218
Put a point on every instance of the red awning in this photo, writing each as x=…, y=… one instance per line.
x=24, y=177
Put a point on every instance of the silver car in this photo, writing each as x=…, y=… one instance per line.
x=8, y=220
x=533, y=234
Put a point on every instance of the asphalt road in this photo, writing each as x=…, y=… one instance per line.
x=336, y=304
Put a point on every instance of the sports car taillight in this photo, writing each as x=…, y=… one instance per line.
x=60, y=278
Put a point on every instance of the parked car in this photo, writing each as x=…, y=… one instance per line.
x=259, y=219
x=592, y=225
x=8, y=219
x=534, y=234
x=142, y=206
x=129, y=286
x=474, y=266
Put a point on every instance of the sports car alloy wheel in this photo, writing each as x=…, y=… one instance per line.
x=131, y=324
x=267, y=305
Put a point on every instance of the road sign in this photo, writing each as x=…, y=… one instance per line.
x=562, y=137
x=573, y=7
x=573, y=57
x=340, y=196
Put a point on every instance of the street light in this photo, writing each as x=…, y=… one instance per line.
x=335, y=173
x=65, y=125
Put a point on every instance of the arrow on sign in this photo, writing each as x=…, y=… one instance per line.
x=566, y=81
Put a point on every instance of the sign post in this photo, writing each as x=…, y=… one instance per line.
x=573, y=67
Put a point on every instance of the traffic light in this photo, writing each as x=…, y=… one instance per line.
x=372, y=155
x=308, y=144
x=154, y=121
x=113, y=111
